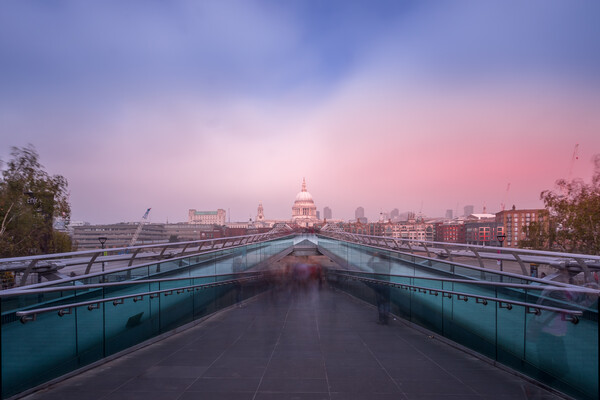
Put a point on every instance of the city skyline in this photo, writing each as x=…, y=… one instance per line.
x=417, y=106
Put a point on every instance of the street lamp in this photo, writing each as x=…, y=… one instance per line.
x=102, y=240
x=500, y=238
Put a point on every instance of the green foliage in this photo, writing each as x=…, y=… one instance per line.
x=537, y=234
x=574, y=216
x=30, y=199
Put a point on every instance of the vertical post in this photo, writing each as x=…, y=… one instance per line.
x=102, y=240
x=501, y=240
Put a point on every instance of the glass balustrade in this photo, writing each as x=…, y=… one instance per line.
x=53, y=345
x=552, y=347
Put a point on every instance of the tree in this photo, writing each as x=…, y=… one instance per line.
x=573, y=214
x=30, y=200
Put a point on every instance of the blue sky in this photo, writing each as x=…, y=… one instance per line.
x=186, y=104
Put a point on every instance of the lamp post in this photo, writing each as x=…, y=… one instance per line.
x=102, y=240
x=500, y=238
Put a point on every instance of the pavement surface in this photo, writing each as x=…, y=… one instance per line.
x=305, y=345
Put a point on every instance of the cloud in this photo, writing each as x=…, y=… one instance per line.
x=221, y=104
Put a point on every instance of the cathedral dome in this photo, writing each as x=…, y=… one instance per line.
x=304, y=196
x=304, y=211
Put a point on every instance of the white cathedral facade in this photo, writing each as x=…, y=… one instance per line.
x=304, y=211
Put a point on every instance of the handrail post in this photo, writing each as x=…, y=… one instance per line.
x=426, y=249
x=184, y=249
x=89, y=266
x=521, y=263
x=135, y=253
x=27, y=272
x=160, y=256
x=586, y=271
x=479, y=259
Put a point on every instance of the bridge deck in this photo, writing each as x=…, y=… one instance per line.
x=304, y=345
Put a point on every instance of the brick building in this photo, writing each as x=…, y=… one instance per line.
x=515, y=220
x=452, y=232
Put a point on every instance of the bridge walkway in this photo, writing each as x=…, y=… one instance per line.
x=304, y=344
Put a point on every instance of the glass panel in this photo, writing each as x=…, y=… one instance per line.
x=176, y=306
x=23, y=364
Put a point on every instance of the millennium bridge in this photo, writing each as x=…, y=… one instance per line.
x=289, y=315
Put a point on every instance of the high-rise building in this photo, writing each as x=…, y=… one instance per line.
x=469, y=210
x=327, y=213
x=318, y=214
x=449, y=214
x=359, y=213
x=395, y=213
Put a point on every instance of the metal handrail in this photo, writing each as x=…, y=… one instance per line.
x=453, y=263
x=571, y=288
x=12, y=293
x=468, y=246
x=529, y=307
x=28, y=263
x=31, y=315
x=30, y=288
x=519, y=256
x=116, y=249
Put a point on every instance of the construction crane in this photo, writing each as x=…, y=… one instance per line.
x=573, y=158
x=139, y=228
x=503, y=204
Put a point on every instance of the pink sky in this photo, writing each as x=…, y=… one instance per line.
x=414, y=107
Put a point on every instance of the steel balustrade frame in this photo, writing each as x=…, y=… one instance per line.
x=95, y=254
x=332, y=255
x=517, y=254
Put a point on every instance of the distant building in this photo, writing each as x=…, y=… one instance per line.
x=468, y=210
x=448, y=214
x=118, y=235
x=452, y=232
x=184, y=232
x=394, y=214
x=483, y=232
x=359, y=213
x=304, y=211
x=318, y=215
x=260, y=215
x=410, y=230
x=207, y=217
x=327, y=213
x=373, y=228
x=514, y=222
